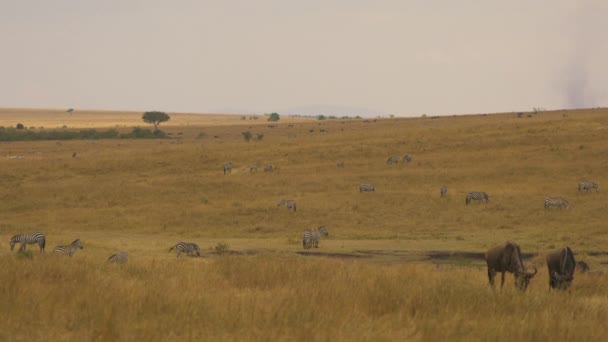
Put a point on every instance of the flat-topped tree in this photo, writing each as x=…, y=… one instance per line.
x=155, y=118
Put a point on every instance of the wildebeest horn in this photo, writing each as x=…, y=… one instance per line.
x=530, y=274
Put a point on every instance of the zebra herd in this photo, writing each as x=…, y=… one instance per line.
x=189, y=248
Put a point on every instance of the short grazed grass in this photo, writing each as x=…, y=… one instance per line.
x=144, y=196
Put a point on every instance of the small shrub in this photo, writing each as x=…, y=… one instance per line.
x=321, y=117
x=274, y=117
x=20, y=126
x=201, y=135
x=259, y=136
x=247, y=135
x=25, y=255
x=221, y=248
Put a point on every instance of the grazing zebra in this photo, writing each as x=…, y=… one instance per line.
x=119, y=258
x=290, y=204
x=477, y=196
x=268, y=168
x=30, y=238
x=254, y=167
x=228, y=168
x=366, y=188
x=186, y=247
x=407, y=158
x=392, y=160
x=587, y=186
x=312, y=236
x=340, y=164
x=556, y=202
x=69, y=250
x=443, y=191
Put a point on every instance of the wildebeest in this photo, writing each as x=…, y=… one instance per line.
x=582, y=267
x=561, y=263
x=506, y=257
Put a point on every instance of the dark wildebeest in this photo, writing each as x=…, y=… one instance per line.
x=506, y=257
x=561, y=264
x=582, y=267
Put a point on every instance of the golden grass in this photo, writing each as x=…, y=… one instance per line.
x=144, y=196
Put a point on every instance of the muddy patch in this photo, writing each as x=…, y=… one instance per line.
x=334, y=255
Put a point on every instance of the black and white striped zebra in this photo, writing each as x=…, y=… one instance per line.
x=70, y=249
x=26, y=239
x=477, y=196
x=366, y=188
x=557, y=202
x=443, y=191
x=268, y=168
x=289, y=204
x=119, y=258
x=588, y=186
x=312, y=237
x=340, y=164
x=392, y=160
x=228, y=168
x=254, y=167
x=189, y=248
x=407, y=158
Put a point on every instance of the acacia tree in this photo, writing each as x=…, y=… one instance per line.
x=155, y=118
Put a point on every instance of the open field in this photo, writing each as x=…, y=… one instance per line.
x=401, y=262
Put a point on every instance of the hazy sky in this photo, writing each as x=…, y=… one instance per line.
x=342, y=57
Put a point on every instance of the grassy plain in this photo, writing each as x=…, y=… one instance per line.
x=145, y=195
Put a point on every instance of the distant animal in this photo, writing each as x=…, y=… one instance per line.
x=443, y=191
x=254, y=167
x=70, y=110
x=582, y=267
x=70, y=249
x=477, y=196
x=119, y=258
x=74, y=155
x=561, y=264
x=28, y=239
x=340, y=164
x=407, y=158
x=556, y=202
x=268, y=168
x=228, y=168
x=366, y=188
x=189, y=248
x=392, y=160
x=587, y=186
x=506, y=257
x=290, y=204
x=312, y=237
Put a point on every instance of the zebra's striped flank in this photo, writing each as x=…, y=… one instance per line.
x=366, y=188
x=26, y=239
x=443, y=191
x=307, y=239
x=119, y=258
x=557, y=202
x=189, y=248
x=392, y=160
x=268, y=168
x=588, y=186
x=477, y=196
x=290, y=204
x=228, y=168
x=69, y=250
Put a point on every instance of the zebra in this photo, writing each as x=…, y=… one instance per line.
x=254, y=167
x=228, y=168
x=30, y=238
x=366, y=188
x=556, y=202
x=392, y=160
x=443, y=191
x=290, y=204
x=587, y=186
x=69, y=250
x=477, y=196
x=312, y=236
x=340, y=164
x=268, y=168
x=119, y=258
x=407, y=158
x=186, y=247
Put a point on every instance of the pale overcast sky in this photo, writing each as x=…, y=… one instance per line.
x=341, y=57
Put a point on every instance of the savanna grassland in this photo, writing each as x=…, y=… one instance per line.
x=399, y=263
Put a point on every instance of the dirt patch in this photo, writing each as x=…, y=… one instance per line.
x=334, y=255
